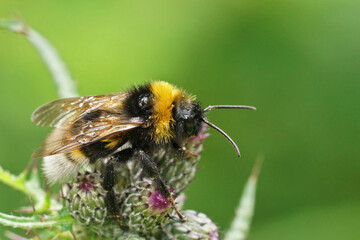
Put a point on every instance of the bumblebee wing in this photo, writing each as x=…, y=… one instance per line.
x=66, y=139
x=56, y=113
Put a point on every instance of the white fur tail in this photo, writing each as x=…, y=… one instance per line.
x=60, y=167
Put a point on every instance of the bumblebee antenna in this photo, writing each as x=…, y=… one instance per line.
x=229, y=107
x=223, y=133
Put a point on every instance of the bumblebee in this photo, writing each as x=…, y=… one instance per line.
x=115, y=128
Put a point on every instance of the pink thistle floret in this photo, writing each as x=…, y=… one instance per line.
x=158, y=202
x=86, y=185
x=202, y=134
x=214, y=236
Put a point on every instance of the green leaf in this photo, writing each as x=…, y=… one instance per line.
x=33, y=222
x=29, y=184
x=33, y=186
x=241, y=224
x=16, y=182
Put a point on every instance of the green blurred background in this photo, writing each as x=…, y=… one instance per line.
x=297, y=61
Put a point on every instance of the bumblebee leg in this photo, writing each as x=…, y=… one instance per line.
x=188, y=152
x=110, y=178
x=184, y=151
x=108, y=185
x=124, y=155
x=110, y=203
x=177, y=147
x=152, y=171
x=109, y=175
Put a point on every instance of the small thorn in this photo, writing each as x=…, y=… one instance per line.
x=73, y=235
x=32, y=205
x=171, y=199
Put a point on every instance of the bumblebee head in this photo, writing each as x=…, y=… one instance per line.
x=188, y=116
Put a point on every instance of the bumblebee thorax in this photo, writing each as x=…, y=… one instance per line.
x=165, y=98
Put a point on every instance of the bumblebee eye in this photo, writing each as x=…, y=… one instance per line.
x=144, y=101
x=189, y=128
x=192, y=126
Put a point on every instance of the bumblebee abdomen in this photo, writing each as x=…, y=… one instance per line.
x=59, y=167
x=103, y=148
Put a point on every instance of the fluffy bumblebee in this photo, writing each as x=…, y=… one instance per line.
x=116, y=128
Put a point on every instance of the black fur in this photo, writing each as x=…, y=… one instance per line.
x=139, y=102
x=99, y=150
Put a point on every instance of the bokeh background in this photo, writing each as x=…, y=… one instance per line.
x=297, y=61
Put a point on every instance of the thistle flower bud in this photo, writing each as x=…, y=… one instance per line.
x=110, y=230
x=143, y=209
x=196, y=226
x=177, y=170
x=82, y=232
x=85, y=199
x=131, y=236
